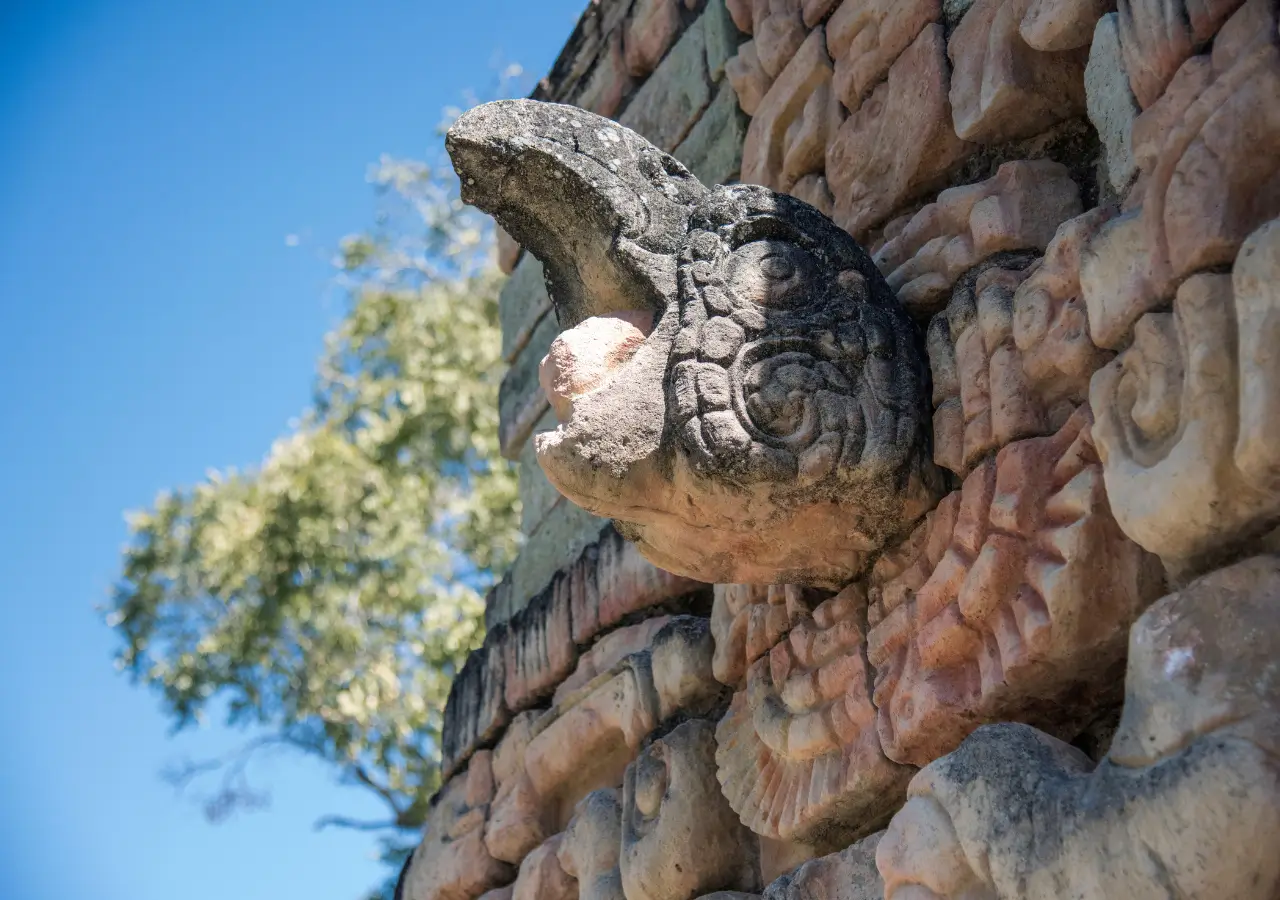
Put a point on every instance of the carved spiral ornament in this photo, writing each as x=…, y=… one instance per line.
x=785, y=365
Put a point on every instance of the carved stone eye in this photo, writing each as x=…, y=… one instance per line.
x=772, y=273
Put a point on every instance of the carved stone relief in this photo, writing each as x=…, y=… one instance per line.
x=1182, y=805
x=1018, y=208
x=1188, y=418
x=452, y=862
x=680, y=839
x=1208, y=151
x=780, y=390
x=591, y=845
x=799, y=757
x=1011, y=601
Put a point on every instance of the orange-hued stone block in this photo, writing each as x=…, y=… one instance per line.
x=864, y=38
x=1011, y=602
x=799, y=757
x=1001, y=87
x=899, y=142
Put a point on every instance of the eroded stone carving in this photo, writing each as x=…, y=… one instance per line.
x=518, y=819
x=1018, y=208
x=780, y=391
x=541, y=876
x=1011, y=601
x=747, y=620
x=1002, y=88
x=1061, y=24
x=866, y=36
x=1209, y=156
x=452, y=862
x=1159, y=35
x=1182, y=804
x=799, y=758
x=587, y=739
x=1188, y=417
x=680, y=839
x=591, y=845
x=899, y=142
x=787, y=138
x=850, y=874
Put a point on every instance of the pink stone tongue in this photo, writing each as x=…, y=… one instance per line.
x=584, y=358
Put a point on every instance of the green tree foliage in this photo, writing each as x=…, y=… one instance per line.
x=328, y=596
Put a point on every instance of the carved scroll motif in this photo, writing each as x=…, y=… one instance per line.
x=1011, y=601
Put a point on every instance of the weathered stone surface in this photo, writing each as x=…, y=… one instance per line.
x=749, y=80
x=864, y=38
x=452, y=863
x=747, y=620
x=522, y=305
x=1061, y=24
x=779, y=30
x=713, y=149
x=542, y=878
x=787, y=136
x=680, y=839
x=791, y=378
x=1001, y=87
x=812, y=189
x=609, y=81
x=539, y=650
x=518, y=819
x=850, y=874
x=1018, y=208
x=649, y=33
x=475, y=712
x=668, y=105
x=587, y=739
x=502, y=893
x=1111, y=104
x=608, y=652
x=722, y=38
x=1182, y=804
x=584, y=359
x=799, y=758
x=1209, y=153
x=521, y=401
x=592, y=843
x=899, y=142
x=563, y=534
x=1158, y=36
x=1011, y=602
x=1188, y=415
x=537, y=495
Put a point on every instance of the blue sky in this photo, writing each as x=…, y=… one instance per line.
x=154, y=156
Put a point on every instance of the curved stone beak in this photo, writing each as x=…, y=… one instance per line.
x=603, y=209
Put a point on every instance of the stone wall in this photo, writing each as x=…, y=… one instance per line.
x=976, y=530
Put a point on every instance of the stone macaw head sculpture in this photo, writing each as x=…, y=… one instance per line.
x=737, y=386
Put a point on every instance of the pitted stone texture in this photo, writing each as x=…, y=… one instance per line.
x=899, y=142
x=1111, y=104
x=1158, y=36
x=608, y=652
x=1003, y=89
x=591, y=845
x=1183, y=805
x=864, y=38
x=1018, y=208
x=747, y=620
x=1209, y=154
x=781, y=390
x=788, y=135
x=542, y=878
x=1011, y=602
x=680, y=839
x=1051, y=25
x=583, y=359
x=452, y=862
x=1188, y=419
x=850, y=874
x=799, y=758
